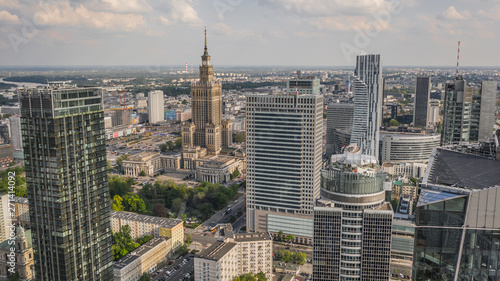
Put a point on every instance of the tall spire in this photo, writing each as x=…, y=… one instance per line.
x=206, y=50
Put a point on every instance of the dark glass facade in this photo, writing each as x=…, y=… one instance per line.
x=65, y=163
x=442, y=243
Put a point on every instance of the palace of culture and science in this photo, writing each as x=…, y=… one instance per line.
x=204, y=137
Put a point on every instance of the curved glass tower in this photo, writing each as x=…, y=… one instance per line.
x=352, y=221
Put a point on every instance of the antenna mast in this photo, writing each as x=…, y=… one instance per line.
x=458, y=58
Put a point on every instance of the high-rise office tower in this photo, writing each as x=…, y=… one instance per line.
x=206, y=102
x=367, y=88
x=457, y=112
x=457, y=234
x=338, y=124
x=156, y=107
x=352, y=221
x=422, y=97
x=284, y=153
x=469, y=114
x=66, y=176
x=483, y=111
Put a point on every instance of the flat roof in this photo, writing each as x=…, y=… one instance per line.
x=137, y=253
x=217, y=250
x=21, y=200
x=163, y=222
x=244, y=237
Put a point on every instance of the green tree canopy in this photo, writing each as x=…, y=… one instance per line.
x=393, y=123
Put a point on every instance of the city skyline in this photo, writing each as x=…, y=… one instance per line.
x=150, y=32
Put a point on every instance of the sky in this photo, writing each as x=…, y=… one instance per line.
x=248, y=32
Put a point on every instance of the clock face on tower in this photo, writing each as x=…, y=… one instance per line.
x=204, y=63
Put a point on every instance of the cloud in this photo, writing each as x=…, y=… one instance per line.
x=180, y=11
x=325, y=8
x=9, y=4
x=63, y=14
x=492, y=14
x=8, y=17
x=452, y=14
x=347, y=23
x=127, y=6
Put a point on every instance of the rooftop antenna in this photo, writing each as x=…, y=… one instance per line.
x=458, y=58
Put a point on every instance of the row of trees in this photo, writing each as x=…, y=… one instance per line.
x=288, y=238
x=261, y=276
x=287, y=256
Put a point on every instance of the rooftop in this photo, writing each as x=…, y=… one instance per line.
x=163, y=222
x=245, y=237
x=217, y=250
x=137, y=253
x=21, y=200
x=455, y=169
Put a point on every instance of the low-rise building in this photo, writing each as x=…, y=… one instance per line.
x=151, y=163
x=405, y=169
x=143, y=259
x=22, y=211
x=218, y=169
x=252, y=253
x=142, y=225
x=6, y=154
x=217, y=263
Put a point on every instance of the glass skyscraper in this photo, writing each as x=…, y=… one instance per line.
x=367, y=88
x=65, y=163
x=352, y=221
x=457, y=233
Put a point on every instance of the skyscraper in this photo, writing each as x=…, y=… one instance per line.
x=206, y=102
x=422, y=97
x=368, y=96
x=338, y=124
x=457, y=112
x=65, y=164
x=352, y=221
x=483, y=111
x=156, y=107
x=457, y=234
x=284, y=152
x=469, y=114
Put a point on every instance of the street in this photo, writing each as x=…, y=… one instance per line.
x=221, y=216
x=179, y=273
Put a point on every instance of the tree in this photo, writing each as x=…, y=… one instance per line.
x=142, y=174
x=117, y=203
x=184, y=217
x=182, y=250
x=232, y=219
x=145, y=239
x=299, y=257
x=120, y=159
x=159, y=210
x=289, y=238
x=280, y=235
x=393, y=123
x=261, y=276
x=286, y=256
x=184, y=101
x=235, y=174
x=188, y=238
x=177, y=205
x=119, y=186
